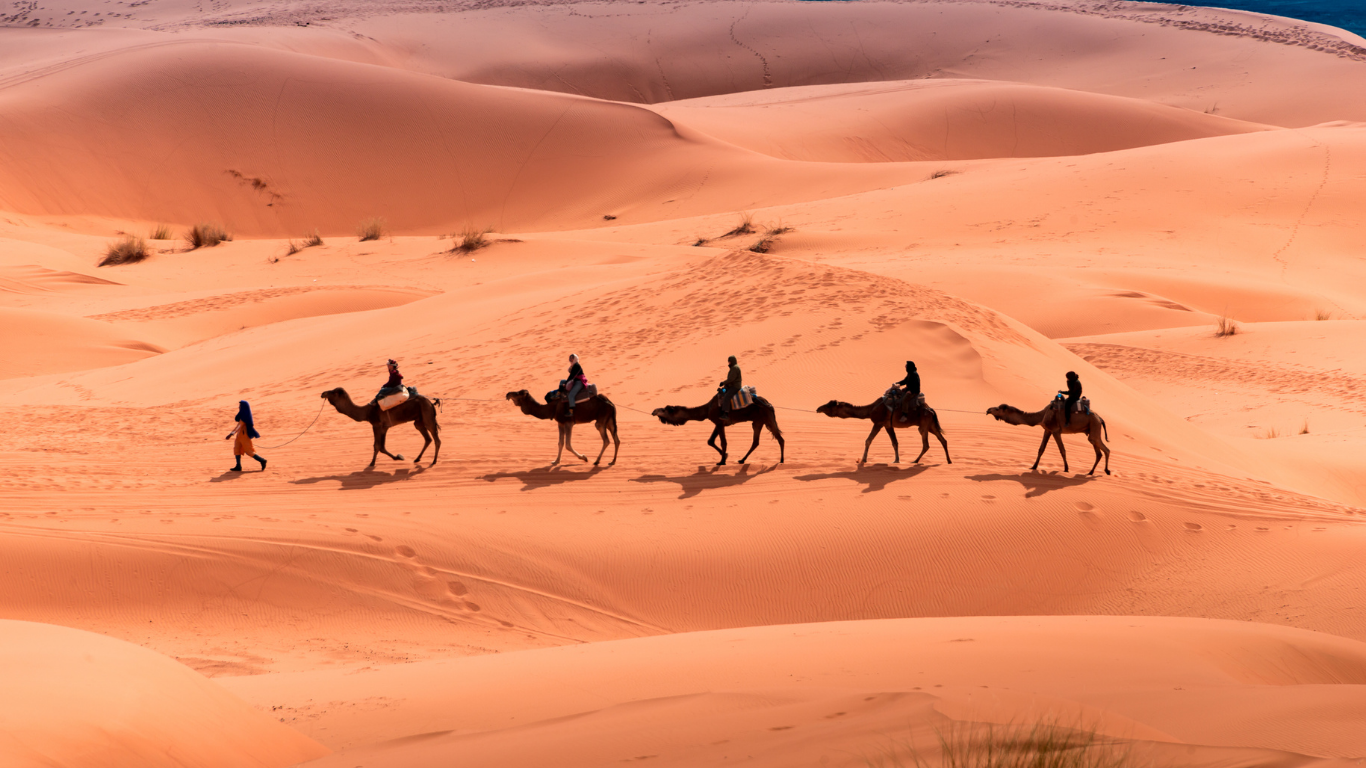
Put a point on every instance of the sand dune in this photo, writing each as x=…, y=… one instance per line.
x=939, y=120
x=76, y=698
x=1000, y=191
x=733, y=694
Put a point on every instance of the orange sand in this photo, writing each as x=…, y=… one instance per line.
x=1001, y=191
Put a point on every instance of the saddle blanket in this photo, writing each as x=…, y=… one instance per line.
x=893, y=398
x=743, y=399
x=398, y=398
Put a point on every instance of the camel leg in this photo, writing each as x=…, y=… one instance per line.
x=380, y=434
x=426, y=440
x=616, y=441
x=1099, y=445
x=869, y=442
x=569, y=442
x=758, y=430
x=896, y=443
x=772, y=424
x=1042, y=447
x=924, y=444
x=939, y=433
x=559, y=452
x=602, y=432
x=721, y=433
x=1057, y=437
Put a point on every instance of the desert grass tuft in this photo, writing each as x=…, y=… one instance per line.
x=1323, y=314
x=1042, y=745
x=699, y=241
x=370, y=229
x=1226, y=326
x=745, y=227
x=471, y=239
x=942, y=174
x=1271, y=434
x=313, y=240
x=778, y=229
x=130, y=250
x=1304, y=428
x=206, y=236
x=764, y=245
x=161, y=232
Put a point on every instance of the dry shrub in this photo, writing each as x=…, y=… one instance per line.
x=764, y=245
x=161, y=232
x=1226, y=326
x=1042, y=745
x=699, y=241
x=472, y=239
x=370, y=229
x=745, y=227
x=313, y=240
x=942, y=174
x=130, y=250
x=206, y=236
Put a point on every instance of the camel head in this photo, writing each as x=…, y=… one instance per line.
x=1001, y=411
x=333, y=395
x=519, y=397
x=670, y=414
x=831, y=408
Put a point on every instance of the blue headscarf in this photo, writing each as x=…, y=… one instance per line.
x=244, y=416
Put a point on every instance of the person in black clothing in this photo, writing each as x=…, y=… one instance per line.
x=731, y=386
x=1069, y=406
x=574, y=385
x=910, y=388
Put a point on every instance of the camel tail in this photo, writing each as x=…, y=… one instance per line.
x=1105, y=429
x=935, y=415
x=772, y=421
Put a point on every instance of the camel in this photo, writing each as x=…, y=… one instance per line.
x=881, y=416
x=597, y=409
x=419, y=410
x=1050, y=418
x=760, y=412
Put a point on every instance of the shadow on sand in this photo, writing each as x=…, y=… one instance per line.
x=707, y=478
x=875, y=476
x=542, y=477
x=230, y=475
x=365, y=478
x=1038, y=483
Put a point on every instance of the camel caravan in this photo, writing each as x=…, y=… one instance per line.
x=576, y=401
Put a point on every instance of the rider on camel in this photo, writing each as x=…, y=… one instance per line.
x=910, y=389
x=731, y=386
x=574, y=384
x=394, y=384
x=1069, y=405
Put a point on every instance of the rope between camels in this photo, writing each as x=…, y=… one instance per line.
x=301, y=434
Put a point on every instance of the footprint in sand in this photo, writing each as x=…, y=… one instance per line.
x=1194, y=527
x=457, y=589
x=1260, y=529
x=1084, y=507
x=1138, y=517
x=405, y=551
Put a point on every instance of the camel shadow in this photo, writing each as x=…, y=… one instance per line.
x=542, y=477
x=1038, y=483
x=365, y=478
x=706, y=478
x=875, y=476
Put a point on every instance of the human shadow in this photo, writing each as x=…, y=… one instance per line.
x=875, y=476
x=542, y=477
x=1037, y=483
x=707, y=478
x=229, y=475
x=365, y=478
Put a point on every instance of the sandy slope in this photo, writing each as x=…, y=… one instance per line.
x=76, y=698
x=1000, y=191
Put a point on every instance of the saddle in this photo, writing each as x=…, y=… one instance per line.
x=389, y=397
x=893, y=398
x=587, y=393
x=743, y=399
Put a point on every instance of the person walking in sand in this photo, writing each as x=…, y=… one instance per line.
x=245, y=432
